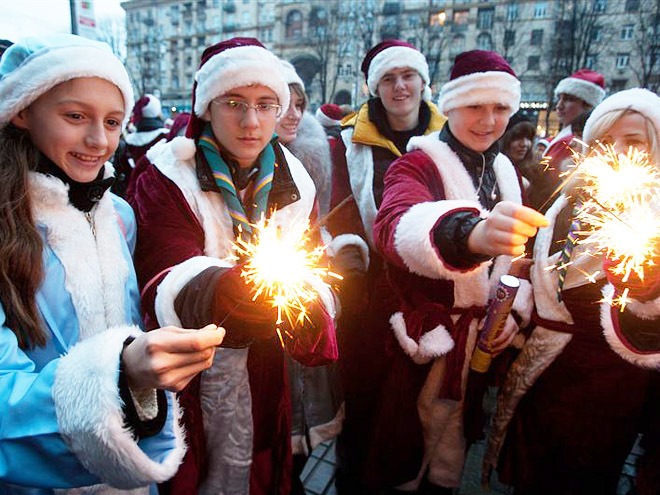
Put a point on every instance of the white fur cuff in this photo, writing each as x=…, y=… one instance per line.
x=433, y=344
x=413, y=238
x=90, y=419
x=618, y=342
x=343, y=240
x=175, y=281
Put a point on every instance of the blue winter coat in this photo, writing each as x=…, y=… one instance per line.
x=61, y=423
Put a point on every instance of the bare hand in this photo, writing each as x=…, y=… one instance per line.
x=506, y=230
x=169, y=357
x=505, y=338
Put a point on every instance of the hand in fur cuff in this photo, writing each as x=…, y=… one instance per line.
x=506, y=230
x=312, y=342
x=168, y=358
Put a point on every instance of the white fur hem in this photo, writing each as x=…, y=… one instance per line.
x=142, y=138
x=617, y=341
x=343, y=240
x=89, y=414
x=433, y=344
x=524, y=302
x=173, y=283
x=413, y=238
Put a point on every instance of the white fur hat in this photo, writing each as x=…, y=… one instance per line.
x=588, y=85
x=234, y=63
x=639, y=100
x=37, y=64
x=480, y=77
x=290, y=74
x=393, y=54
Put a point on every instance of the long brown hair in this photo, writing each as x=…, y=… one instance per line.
x=21, y=246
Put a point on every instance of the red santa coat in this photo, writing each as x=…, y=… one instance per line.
x=434, y=328
x=562, y=398
x=237, y=413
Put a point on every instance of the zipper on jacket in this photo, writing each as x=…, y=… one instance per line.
x=92, y=224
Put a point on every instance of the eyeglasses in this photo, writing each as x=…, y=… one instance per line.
x=240, y=108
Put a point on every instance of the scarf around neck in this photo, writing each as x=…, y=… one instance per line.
x=82, y=195
x=224, y=179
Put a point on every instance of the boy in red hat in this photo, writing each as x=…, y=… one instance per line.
x=450, y=221
x=576, y=95
x=200, y=193
x=398, y=78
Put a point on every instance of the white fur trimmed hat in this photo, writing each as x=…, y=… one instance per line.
x=290, y=74
x=34, y=65
x=639, y=100
x=234, y=63
x=393, y=54
x=588, y=85
x=480, y=77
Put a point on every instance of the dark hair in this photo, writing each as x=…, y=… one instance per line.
x=522, y=129
x=21, y=246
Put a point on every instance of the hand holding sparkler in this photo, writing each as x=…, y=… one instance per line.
x=506, y=230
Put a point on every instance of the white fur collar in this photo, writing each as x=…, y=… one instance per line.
x=142, y=138
x=96, y=270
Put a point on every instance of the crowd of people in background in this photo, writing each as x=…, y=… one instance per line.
x=135, y=359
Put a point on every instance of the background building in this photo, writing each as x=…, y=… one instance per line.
x=327, y=39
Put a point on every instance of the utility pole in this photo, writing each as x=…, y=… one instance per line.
x=74, y=20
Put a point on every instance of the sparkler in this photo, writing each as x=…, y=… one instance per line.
x=282, y=268
x=620, y=212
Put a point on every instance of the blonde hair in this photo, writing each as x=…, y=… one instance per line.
x=607, y=120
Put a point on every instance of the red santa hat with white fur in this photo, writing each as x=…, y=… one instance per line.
x=231, y=64
x=588, y=85
x=480, y=77
x=394, y=54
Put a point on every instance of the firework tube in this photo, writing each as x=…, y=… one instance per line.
x=496, y=316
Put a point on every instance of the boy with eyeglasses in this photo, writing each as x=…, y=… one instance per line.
x=200, y=193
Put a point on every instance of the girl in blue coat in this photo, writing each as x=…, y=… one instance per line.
x=82, y=388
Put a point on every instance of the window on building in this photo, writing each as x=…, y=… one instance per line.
x=627, y=32
x=187, y=42
x=537, y=37
x=533, y=62
x=622, y=60
x=175, y=82
x=512, y=11
x=484, y=42
x=591, y=62
x=201, y=40
x=457, y=45
x=632, y=5
x=189, y=61
x=485, y=18
x=596, y=33
x=294, y=24
x=461, y=17
x=413, y=21
x=438, y=18
x=600, y=5
x=540, y=10
x=618, y=85
x=509, y=37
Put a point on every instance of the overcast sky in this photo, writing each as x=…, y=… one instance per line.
x=20, y=18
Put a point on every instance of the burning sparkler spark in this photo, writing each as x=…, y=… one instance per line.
x=620, y=211
x=282, y=268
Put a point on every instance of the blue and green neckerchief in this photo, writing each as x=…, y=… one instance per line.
x=223, y=179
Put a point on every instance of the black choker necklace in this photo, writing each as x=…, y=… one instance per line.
x=82, y=195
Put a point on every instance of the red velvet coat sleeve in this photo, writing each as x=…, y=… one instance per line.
x=168, y=234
